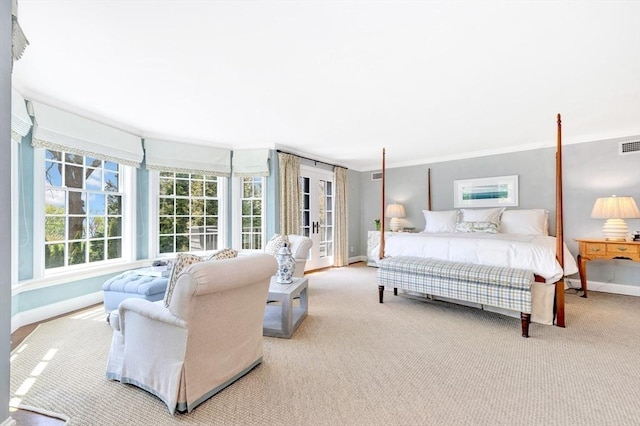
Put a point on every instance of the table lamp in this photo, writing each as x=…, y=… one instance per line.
x=395, y=212
x=615, y=209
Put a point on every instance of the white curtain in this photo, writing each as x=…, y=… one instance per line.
x=289, y=166
x=250, y=162
x=179, y=157
x=20, y=121
x=63, y=131
x=341, y=255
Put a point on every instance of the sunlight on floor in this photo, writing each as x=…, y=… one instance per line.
x=95, y=314
x=29, y=381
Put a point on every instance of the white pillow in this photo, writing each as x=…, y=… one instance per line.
x=483, y=227
x=481, y=215
x=440, y=221
x=530, y=222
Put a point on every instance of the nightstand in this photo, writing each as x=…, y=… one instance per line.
x=591, y=249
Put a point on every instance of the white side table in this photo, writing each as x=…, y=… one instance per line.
x=282, y=316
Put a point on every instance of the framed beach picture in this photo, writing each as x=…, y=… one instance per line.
x=501, y=191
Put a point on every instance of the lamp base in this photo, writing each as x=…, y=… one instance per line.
x=615, y=230
x=394, y=224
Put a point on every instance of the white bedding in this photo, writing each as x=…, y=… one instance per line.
x=533, y=252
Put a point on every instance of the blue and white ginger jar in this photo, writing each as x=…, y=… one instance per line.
x=286, y=265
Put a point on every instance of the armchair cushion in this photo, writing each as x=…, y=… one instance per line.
x=275, y=244
x=182, y=261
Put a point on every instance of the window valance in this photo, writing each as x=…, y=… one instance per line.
x=251, y=162
x=63, y=131
x=20, y=121
x=179, y=157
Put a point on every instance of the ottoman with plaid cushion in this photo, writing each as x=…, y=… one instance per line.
x=502, y=287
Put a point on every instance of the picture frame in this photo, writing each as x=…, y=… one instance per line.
x=499, y=191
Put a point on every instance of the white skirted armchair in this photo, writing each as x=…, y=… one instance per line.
x=299, y=246
x=209, y=336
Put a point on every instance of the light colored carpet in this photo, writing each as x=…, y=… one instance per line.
x=356, y=362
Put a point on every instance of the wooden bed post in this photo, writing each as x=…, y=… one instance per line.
x=559, y=229
x=381, y=253
x=429, y=189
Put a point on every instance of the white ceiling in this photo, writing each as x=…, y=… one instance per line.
x=340, y=80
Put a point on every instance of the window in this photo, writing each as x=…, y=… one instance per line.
x=189, y=212
x=251, y=212
x=83, y=220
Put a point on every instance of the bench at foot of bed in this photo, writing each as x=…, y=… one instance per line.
x=502, y=287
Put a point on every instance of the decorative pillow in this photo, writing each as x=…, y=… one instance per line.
x=275, y=244
x=530, y=222
x=183, y=260
x=481, y=215
x=440, y=221
x=227, y=253
x=485, y=227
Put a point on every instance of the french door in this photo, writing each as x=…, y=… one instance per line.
x=317, y=193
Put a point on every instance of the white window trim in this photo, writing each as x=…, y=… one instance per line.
x=128, y=225
x=154, y=208
x=236, y=213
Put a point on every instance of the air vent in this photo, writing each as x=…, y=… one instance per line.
x=629, y=147
x=376, y=176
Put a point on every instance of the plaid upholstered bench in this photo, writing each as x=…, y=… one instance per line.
x=502, y=287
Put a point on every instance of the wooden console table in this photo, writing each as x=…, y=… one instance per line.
x=591, y=249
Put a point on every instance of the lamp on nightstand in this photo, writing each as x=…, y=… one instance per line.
x=395, y=212
x=615, y=209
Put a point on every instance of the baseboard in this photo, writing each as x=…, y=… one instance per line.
x=8, y=422
x=625, y=289
x=49, y=311
x=357, y=259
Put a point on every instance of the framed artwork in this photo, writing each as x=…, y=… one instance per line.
x=500, y=191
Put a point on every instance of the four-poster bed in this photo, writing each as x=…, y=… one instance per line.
x=496, y=269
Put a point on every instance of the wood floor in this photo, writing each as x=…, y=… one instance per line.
x=25, y=417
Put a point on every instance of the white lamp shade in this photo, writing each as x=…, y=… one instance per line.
x=615, y=209
x=395, y=211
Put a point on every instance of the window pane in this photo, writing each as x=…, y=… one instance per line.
x=115, y=227
x=197, y=206
x=166, y=244
x=54, y=201
x=77, y=229
x=166, y=206
x=114, y=248
x=197, y=188
x=73, y=176
x=96, y=227
x=94, y=179
x=77, y=253
x=96, y=204
x=54, y=228
x=182, y=243
x=53, y=173
x=166, y=225
x=53, y=255
x=182, y=187
x=211, y=189
x=182, y=206
x=114, y=204
x=182, y=225
x=166, y=186
x=76, y=202
x=111, y=182
x=96, y=250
